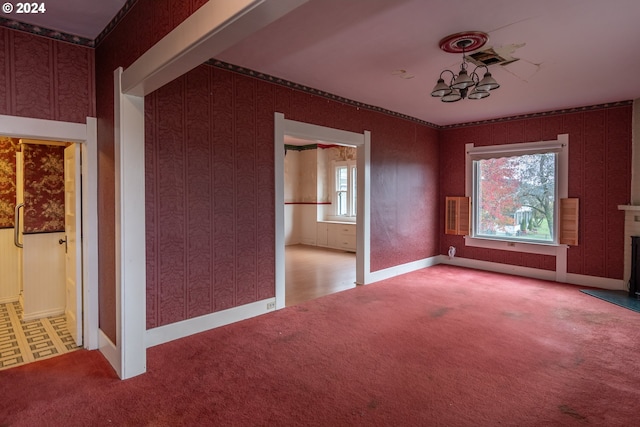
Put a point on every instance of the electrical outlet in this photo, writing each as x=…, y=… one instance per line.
x=271, y=306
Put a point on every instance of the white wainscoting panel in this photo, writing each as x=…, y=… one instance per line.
x=9, y=267
x=43, y=278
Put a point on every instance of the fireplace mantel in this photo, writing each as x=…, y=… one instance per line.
x=631, y=228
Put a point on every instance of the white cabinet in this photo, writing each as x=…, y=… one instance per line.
x=322, y=236
x=338, y=235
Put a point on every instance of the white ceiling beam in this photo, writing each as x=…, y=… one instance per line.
x=216, y=26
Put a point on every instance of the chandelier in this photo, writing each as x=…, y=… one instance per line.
x=464, y=85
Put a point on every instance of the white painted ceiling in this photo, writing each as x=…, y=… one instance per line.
x=572, y=53
x=85, y=18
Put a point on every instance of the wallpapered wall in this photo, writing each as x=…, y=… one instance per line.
x=146, y=22
x=210, y=189
x=43, y=186
x=599, y=175
x=44, y=78
x=8, y=148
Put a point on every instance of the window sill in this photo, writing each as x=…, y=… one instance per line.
x=509, y=245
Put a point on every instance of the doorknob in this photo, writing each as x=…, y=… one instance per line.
x=61, y=241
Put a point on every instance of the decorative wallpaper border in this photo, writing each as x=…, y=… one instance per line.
x=65, y=37
x=115, y=21
x=282, y=82
x=292, y=85
x=45, y=32
x=542, y=114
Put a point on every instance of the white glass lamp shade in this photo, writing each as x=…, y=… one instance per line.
x=441, y=89
x=463, y=80
x=453, y=96
x=488, y=83
x=478, y=94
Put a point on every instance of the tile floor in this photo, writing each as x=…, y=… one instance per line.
x=25, y=342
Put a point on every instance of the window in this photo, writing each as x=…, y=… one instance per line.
x=345, y=188
x=515, y=191
x=515, y=197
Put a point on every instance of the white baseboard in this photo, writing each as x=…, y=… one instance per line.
x=6, y=300
x=397, y=270
x=535, y=273
x=41, y=314
x=596, y=282
x=496, y=267
x=196, y=325
x=110, y=352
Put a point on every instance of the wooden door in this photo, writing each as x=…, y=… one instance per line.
x=73, y=249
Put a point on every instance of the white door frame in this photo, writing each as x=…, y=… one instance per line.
x=86, y=136
x=362, y=141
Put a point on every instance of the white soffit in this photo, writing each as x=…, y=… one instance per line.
x=214, y=27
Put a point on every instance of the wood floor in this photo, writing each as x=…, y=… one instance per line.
x=312, y=272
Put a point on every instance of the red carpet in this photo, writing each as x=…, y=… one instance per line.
x=444, y=346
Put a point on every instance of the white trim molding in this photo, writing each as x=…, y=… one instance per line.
x=90, y=263
x=109, y=351
x=363, y=228
x=130, y=231
x=408, y=267
x=534, y=273
x=173, y=331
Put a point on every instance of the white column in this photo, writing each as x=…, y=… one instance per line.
x=130, y=232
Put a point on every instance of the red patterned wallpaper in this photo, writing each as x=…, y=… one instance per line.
x=599, y=175
x=45, y=79
x=8, y=149
x=43, y=188
x=210, y=189
x=145, y=24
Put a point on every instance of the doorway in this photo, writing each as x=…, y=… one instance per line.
x=82, y=136
x=41, y=288
x=320, y=195
x=305, y=131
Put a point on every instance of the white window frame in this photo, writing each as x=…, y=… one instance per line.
x=351, y=208
x=561, y=145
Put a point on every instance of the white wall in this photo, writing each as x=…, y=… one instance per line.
x=301, y=194
x=9, y=267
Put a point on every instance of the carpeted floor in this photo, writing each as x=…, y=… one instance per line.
x=443, y=346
